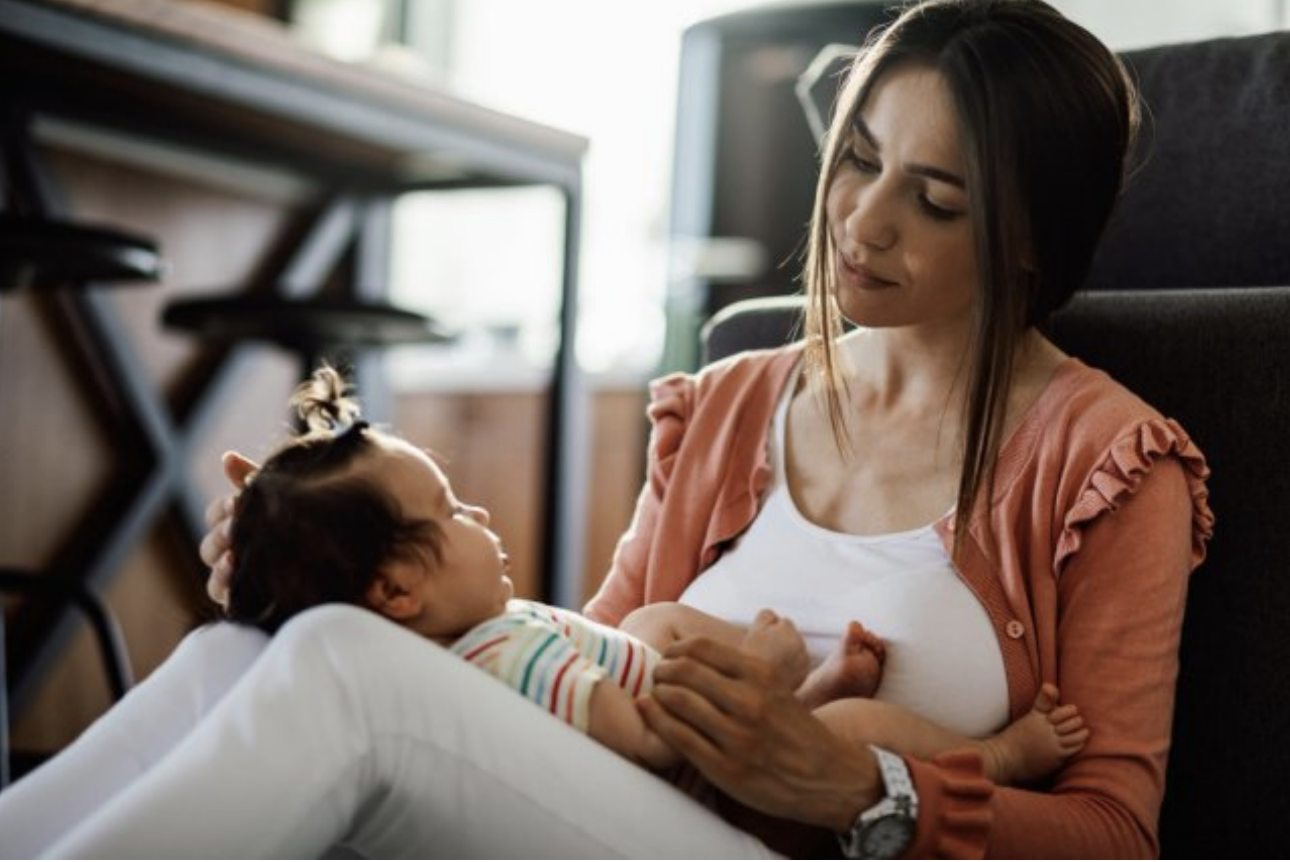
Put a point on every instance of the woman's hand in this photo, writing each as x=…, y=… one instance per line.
x=735, y=718
x=215, y=550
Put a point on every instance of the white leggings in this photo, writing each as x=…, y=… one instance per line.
x=344, y=729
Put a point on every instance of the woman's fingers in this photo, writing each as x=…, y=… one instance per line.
x=723, y=658
x=218, y=538
x=684, y=738
x=721, y=674
x=220, y=579
x=735, y=719
x=238, y=468
x=215, y=545
x=219, y=509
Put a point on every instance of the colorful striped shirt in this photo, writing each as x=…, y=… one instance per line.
x=555, y=657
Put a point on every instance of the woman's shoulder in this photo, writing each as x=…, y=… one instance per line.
x=1093, y=430
x=1085, y=418
x=1090, y=399
x=1084, y=408
x=1092, y=442
x=1115, y=440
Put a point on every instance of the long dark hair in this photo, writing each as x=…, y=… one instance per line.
x=1047, y=115
x=311, y=527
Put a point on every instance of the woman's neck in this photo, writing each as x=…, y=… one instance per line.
x=909, y=369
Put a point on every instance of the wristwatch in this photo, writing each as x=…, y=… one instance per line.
x=886, y=830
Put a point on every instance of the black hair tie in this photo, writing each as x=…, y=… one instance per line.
x=350, y=429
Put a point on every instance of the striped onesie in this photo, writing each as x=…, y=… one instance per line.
x=555, y=657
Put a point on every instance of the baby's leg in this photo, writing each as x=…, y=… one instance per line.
x=771, y=636
x=777, y=640
x=1037, y=744
x=853, y=670
x=127, y=740
x=1030, y=748
x=664, y=623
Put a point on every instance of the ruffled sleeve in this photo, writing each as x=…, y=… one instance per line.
x=954, y=815
x=672, y=400
x=1127, y=463
x=697, y=495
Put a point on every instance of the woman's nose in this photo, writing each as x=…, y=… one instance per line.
x=868, y=219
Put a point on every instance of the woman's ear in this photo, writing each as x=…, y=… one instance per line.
x=397, y=591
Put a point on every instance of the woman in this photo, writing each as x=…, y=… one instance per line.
x=975, y=156
x=973, y=162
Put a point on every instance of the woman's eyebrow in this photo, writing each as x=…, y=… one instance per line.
x=930, y=171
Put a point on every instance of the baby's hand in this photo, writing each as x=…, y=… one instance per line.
x=776, y=639
x=215, y=550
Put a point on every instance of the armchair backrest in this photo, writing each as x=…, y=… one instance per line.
x=1214, y=360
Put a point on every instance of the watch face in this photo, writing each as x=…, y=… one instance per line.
x=887, y=837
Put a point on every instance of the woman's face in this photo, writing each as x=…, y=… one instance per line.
x=897, y=208
x=469, y=583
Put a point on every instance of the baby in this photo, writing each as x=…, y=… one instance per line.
x=347, y=513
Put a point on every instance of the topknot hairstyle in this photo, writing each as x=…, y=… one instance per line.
x=313, y=526
x=323, y=402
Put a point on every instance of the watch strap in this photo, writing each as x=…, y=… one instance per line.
x=895, y=813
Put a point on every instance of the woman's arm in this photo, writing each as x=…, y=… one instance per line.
x=1121, y=600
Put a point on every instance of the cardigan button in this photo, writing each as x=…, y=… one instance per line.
x=1014, y=629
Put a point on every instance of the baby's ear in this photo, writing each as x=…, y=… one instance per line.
x=393, y=593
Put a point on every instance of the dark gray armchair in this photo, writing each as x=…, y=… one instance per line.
x=1189, y=305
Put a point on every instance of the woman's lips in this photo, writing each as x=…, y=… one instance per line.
x=862, y=277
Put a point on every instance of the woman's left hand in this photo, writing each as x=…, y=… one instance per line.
x=735, y=718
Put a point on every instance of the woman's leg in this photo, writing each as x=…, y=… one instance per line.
x=127, y=740
x=352, y=730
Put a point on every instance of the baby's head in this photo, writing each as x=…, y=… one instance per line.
x=346, y=513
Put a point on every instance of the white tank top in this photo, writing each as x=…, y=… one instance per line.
x=943, y=658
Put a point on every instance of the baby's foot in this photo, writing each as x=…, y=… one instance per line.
x=852, y=670
x=1037, y=744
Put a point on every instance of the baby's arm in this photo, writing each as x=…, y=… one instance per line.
x=616, y=722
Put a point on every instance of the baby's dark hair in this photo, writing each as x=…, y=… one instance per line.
x=309, y=528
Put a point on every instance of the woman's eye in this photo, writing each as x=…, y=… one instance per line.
x=864, y=164
x=936, y=211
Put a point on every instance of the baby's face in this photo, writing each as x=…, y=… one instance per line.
x=470, y=583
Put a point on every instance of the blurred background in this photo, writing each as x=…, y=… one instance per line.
x=727, y=136
x=694, y=191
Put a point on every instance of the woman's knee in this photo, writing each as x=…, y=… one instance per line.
x=346, y=642
x=326, y=626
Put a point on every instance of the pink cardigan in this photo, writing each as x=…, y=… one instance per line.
x=1098, y=517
